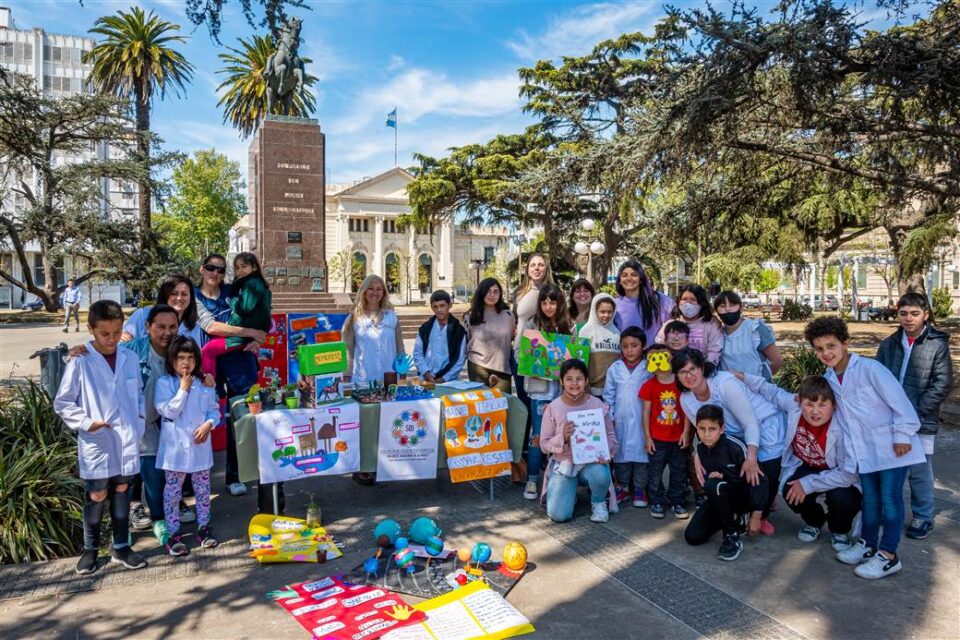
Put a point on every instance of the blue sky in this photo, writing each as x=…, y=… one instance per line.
x=449, y=67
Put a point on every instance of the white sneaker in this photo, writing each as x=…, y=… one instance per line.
x=856, y=554
x=808, y=534
x=599, y=512
x=238, y=489
x=841, y=541
x=530, y=491
x=878, y=567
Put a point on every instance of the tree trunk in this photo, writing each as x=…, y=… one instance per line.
x=906, y=282
x=143, y=152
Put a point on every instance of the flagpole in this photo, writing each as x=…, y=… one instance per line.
x=396, y=126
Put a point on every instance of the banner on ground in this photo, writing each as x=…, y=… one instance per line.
x=475, y=435
x=541, y=353
x=304, y=443
x=409, y=440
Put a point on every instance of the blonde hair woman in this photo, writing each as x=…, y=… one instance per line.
x=372, y=333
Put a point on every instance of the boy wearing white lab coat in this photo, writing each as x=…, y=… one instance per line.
x=620, y=389
x=882, y=428
x=101, y=398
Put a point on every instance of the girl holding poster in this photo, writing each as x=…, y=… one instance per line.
x=558, y=430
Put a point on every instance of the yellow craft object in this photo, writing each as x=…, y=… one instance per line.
x=283, y=539
x=659, y=361
x=515, y=557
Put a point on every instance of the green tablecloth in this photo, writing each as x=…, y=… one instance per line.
x=245, y=428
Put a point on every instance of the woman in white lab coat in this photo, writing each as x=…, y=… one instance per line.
x=188, y=412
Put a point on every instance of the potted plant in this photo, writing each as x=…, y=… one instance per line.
x=314, y=512
x=254, y=403
x=273, y=392
x=291, y=397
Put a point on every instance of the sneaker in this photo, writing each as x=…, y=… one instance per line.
x=160, y=532
x=730, y=548
x=622, y=494
x=680, y=512
x=530, y=490
x=187, y=514
x=640, y=499
x=700, y=499
x=657, y=511
x=139, y=520
x=856, y=554
x=919, y=529
x=65, y=330
x=238, y=489
x=598, y=512
x=840, y=541
x=205, y=538
x=878, y=567
x=767, y=528
x=176, y=546
x=806, y=534
x=128, y=558
x=87, y=563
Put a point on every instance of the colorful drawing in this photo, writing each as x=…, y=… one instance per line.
x=273, y=354
x=281, y=539
x=309, y=329
x=541, y=354
x=475, y=435
x=328, y=388
x=302, y=443
x=589, y=440
x=409, y=439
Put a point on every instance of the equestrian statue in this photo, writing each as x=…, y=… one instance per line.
x=284, y=71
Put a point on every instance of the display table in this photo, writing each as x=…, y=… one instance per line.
x=245, y=429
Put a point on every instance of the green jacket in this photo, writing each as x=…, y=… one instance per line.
x=251, y=306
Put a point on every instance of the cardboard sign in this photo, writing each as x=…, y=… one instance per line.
x=325, y=357
x=589, y=440
x=273, y=353
x=293, y=444
x=475, y=435
x=541, y=354
x=310, y=328
x=409, y=440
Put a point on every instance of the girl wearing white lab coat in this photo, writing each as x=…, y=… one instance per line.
x=188, y=412
x=621, y=393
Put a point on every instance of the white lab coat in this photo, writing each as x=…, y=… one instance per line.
x=877, y=414
x=90, y=392
x=181, y=413
x=841, y=462
x=621, y=393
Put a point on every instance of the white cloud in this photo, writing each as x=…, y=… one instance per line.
x=578, y=31
x=396, y=62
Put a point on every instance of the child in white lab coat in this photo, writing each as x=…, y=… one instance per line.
x=623, y=382
x=101, y=398
x=188, y=411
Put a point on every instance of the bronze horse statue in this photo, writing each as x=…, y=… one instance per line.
x=284, y=71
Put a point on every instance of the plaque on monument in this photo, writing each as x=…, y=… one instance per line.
x=293, y=281
x=270, y=271
x=281, y=271
x=316, y=272
x=294, y=237
x=317, y=284
x=293, y=271
x=281, y=282
x=294, y=253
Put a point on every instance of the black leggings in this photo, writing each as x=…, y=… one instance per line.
x=843, y=504
x=119, y=515
x=771, y=469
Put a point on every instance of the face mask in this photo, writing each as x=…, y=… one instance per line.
x=730, y=318
x=689, y=309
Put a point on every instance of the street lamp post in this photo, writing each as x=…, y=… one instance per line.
x=594, y=248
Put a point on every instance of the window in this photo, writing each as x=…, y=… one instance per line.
x=358, y=225
x=488, y=254
x=16, y=52
x=390, y=226
x=39, y=278
x=862, y=277
x=956, y=279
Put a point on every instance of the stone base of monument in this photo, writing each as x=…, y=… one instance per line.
x=286, y=200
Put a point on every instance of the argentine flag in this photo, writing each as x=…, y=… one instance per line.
x=392, y=118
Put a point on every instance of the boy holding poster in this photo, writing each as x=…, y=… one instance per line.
x=556, y=436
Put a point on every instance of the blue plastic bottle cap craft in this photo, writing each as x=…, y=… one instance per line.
x=387, y=532
x=401, y=543
x=371, y=566
x=404, y=557
x=481, y=552
x=423, y=528
x=434, y=546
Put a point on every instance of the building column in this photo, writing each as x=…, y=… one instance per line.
x=342, y=230
x=445, y=268
x=377, y=266
x=813, y=286
x=413, y=291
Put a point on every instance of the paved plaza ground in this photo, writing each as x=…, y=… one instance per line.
x=630, y=578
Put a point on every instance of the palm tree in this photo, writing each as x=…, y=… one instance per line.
x=135, y=60
x=245, y=97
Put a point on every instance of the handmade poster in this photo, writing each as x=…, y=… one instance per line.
x=475, y=435
x=322, y=358
x=409, y=440
x=541, y=353
x=327, y=388
x=333, y=609
x=293, y=444
x=282, y=539
x=473, y=612
x=310, y=328
x=589, y=440
x=273, y=353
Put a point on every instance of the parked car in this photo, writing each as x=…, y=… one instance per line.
x=751, y=301
x=32, y=305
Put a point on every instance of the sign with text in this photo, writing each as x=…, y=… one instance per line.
x=409, y=439
x=304, y=443
x=589, y=440
x=475, y=435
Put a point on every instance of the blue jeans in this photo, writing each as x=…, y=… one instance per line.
x=667, y=455
x=921, y=490
x=883, y=505
x=153, y=481
x=562, y=491
x=534, y=454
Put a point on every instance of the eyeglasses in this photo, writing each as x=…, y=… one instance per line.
x=686, y=373
x=212, y=267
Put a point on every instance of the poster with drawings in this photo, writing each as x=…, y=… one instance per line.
x=589, y=440
x=303, y=443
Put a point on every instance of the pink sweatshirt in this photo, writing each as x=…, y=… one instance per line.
x=706, y=337
x=555, y=416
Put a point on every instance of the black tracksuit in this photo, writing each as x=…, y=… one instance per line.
x=727, y=497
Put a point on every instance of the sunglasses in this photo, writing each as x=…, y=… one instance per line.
x=212, y=267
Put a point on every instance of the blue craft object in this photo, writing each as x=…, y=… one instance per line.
x=433, y=546
x=371, y=566
x=481, y=552
x=402, y=363
x=386, y=532
x=404, y=557
x=401, y=543
x=424, y=528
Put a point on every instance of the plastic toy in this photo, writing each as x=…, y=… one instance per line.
x=386, y=533
x=422, y=529
x=481, y=552
x=433, y=546
x=515, y=557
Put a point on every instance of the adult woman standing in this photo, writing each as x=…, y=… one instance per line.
x=372, y=333
x=525, y=300
x=581, y=295
x=176, y=291
x=490, y=327
x=638, y=304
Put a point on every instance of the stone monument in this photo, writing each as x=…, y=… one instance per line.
x=287, y=160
